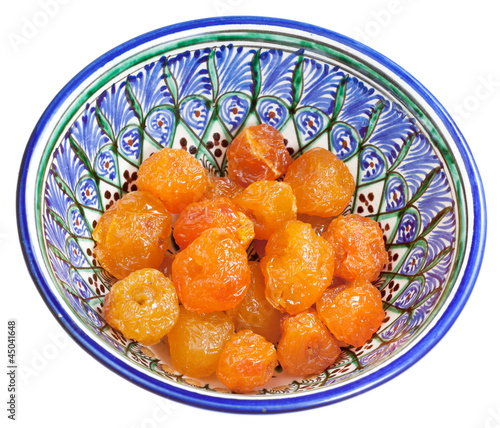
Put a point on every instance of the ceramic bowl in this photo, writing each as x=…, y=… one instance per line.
x=194, y=86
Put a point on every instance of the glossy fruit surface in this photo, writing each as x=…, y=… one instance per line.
x=196, y=341
x=220, y=213
x=219, y=187
x=247, y=362
x=143, y=306
x=211, y=274
x=257, y=153
x=358, y=245
x=306, y=346
x=269, y=204
x=354, y=313
x=174, y=176
x=132, y=234
x=322, y=183
x=297, y=268
x=254, y=312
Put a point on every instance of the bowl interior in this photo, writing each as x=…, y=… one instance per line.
x=196, y=90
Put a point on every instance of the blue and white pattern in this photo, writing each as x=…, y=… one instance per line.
x=185, y=99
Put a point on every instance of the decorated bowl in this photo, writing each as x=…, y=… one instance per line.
x=194, y=86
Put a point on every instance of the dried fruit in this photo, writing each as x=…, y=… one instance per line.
x=269, y=204
x=174, y=176
x=196, y=341
x=352, y=313
x=254, y=312
x=247, y=362
x=321, y=183
x=358, y=245
x=132, y=234
x=143, y=306
x=221, y=187
x=297, y=268
x=220, y=213
x=306, y=346
x=211, y=274
x=319, y=224
x=257, y=153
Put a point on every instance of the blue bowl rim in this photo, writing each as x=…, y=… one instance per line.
x=228, y=403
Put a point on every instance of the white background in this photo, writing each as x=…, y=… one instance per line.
x=452, y=49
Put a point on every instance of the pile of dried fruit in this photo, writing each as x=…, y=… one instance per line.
x=309, y=295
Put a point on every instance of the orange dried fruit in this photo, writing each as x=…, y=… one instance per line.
x=319, y=224
x=321, y=182
x=269, y=204
x=221, y=187
x=352, y=314
x=220, y=213
x=359, y=247
x=306, y=346
x=298, y=267
x=246, y=362
x=196, y=341
x=143, y=306
x=254, y=312
x=132, y=234
x=174, y=176
x=257, y=153
x=211, y=274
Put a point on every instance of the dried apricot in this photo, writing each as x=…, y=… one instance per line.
x=219, y=187
x=297, y=268
x=319, y=224
x=257, y=153
x=247, y=362
x=211, y=274
x=306, y=346
x=269, y=204
x=321, y=183
x=358, y=245
x=352, y=314
x=143, y=306
x=174, y=176
x=221, y=213
x=196, y=341
x=132, y=234
x=254, y=312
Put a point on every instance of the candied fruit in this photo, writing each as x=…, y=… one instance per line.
x=211, y=274
x=143, y=306
x=298, y=267
x=196, y=341
x=254, y=312
x=257, y=153
x=174, y=176
x=352, y=313
x=247, y=362
x=319, y=224
x=321, y=182
x=221, y=187
x=220, y=213
x=269, y=204
x=306, y=346
x=132, y=234
x=358, y=245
